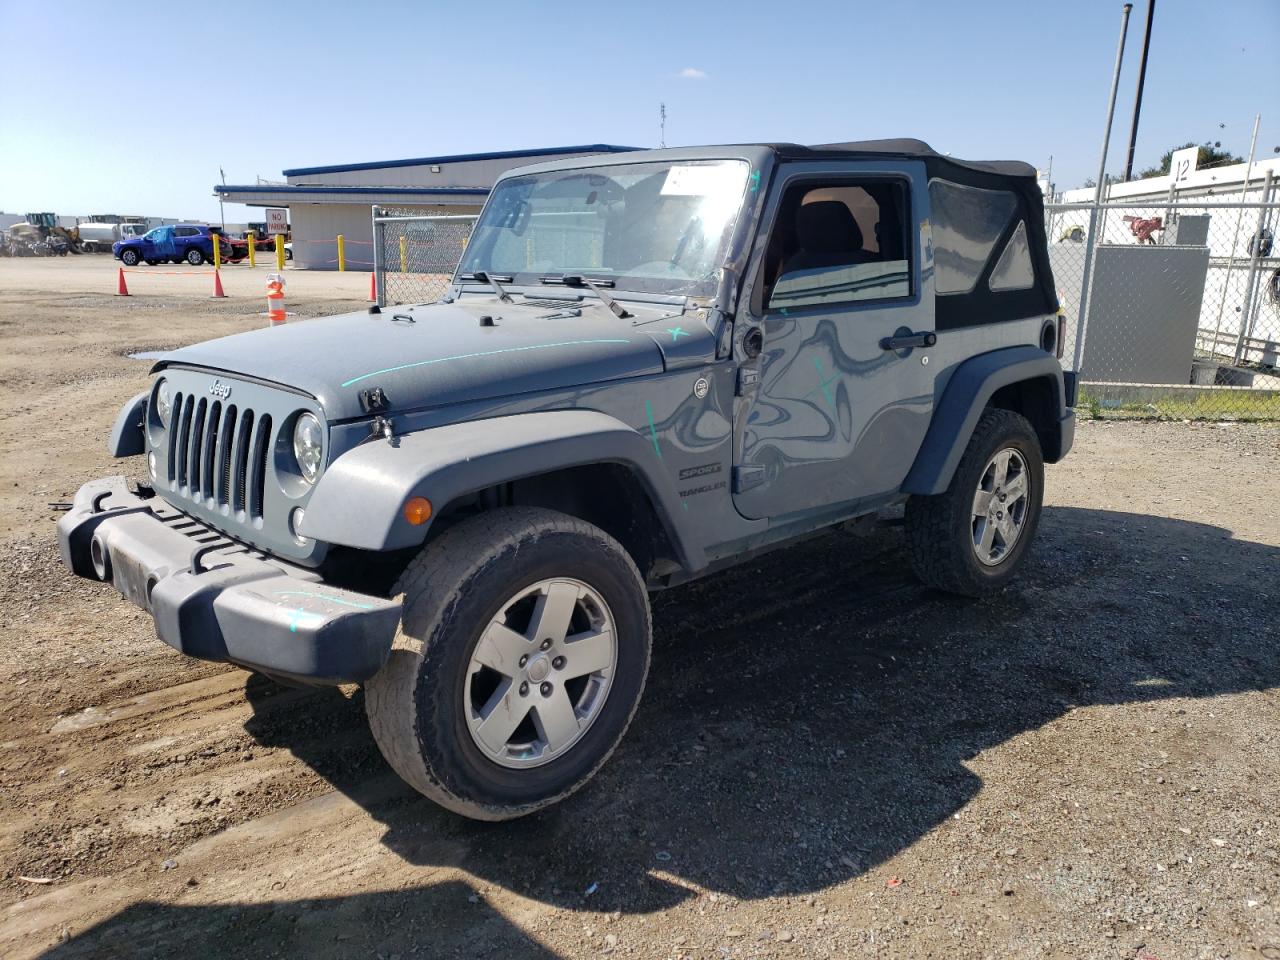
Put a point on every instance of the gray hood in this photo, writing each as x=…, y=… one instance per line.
x=443, y=355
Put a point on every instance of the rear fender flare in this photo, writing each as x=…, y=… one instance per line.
x=957, y=411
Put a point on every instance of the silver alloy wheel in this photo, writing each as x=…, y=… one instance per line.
x=1000, y=506
x=540, y=672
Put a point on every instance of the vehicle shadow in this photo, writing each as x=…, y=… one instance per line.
x=810, y=714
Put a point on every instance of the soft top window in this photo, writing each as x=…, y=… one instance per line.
x=967, y=222
x=1013, y=271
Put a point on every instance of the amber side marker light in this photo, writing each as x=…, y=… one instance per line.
x=417, y=510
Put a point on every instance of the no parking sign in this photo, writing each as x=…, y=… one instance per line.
x=277, y=220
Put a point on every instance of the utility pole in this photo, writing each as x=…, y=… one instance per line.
x=662, y=125
x=1091, y=238
x=1137, y=99
x=222, y=213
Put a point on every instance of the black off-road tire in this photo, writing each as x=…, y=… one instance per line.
x=451, y=591
x=939, y=528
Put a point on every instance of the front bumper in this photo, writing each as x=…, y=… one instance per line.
x=214, y=598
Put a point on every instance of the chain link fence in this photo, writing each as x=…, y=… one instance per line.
x=1174, y=310
x=415, y=254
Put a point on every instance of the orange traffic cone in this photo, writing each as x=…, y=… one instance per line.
x=373, y=288
x=217, y=285
x=122, y=289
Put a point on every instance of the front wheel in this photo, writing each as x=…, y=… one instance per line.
x=520, y=659
x=130, y=258
x=972, y=538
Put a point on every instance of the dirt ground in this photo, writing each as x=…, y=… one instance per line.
x=830, y=760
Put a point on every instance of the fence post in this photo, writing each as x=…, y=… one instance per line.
x=279, y=251
x=217, y=253
x=1246, y=316
x=342, y=255
x=404, y=255
x=379, y=268
x=1235, y=240
x=253, y=243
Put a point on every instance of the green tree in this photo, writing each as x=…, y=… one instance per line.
x=1209, y=155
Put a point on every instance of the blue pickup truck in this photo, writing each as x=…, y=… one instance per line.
x=176, y=243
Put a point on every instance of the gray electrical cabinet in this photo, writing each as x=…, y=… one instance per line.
x=1144, y=310
x=1187, y=230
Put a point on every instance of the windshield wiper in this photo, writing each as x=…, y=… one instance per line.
x=481, y=277
x=595, y=286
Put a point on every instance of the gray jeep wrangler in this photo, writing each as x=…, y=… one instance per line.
x=649, y=366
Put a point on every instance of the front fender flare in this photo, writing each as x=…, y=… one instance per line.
x=966, y=395
x=127, y=438
x=358, y=501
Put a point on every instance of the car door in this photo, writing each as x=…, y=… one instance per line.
x=162, y=244
x=836, y=405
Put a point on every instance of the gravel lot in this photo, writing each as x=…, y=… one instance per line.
x=830, y=760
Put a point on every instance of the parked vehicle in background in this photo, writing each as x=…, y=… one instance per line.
x=99, y=237
x=649, y=366
x=190, y=243
x=30, y=240
x=230, y=249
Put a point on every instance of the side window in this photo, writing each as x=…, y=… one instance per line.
x=1013, y=271
x=185, y=231
x=967, y=222
x=839, y=242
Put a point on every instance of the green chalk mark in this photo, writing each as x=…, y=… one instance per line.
x=295, y=617
x=755, y=181
x=824, y=383
x=483, y=353
x=653, y=430
x=676, y=333
x=324, y=596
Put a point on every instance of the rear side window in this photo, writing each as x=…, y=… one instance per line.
x=1013, y=271
x=186, y=231
x=967, y=222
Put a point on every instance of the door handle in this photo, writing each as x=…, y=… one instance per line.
x=905, y=341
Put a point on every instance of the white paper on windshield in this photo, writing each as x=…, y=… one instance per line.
x=694, y=181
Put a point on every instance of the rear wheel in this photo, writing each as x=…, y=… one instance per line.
x=521, y=656
x=194, y=257
x=972, y=538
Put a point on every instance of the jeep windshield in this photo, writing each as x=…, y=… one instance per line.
x=643, y=227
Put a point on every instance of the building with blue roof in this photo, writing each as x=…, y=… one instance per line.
x=324, y=202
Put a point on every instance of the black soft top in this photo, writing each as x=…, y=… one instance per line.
x=937, y=163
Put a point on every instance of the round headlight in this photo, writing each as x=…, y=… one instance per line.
x=164, y=401
x=308, y=446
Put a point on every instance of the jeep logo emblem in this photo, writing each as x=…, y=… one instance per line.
x=220, y=390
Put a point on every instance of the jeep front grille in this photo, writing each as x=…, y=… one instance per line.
x=218, y=454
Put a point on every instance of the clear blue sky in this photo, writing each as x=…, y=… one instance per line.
x=131, y=108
